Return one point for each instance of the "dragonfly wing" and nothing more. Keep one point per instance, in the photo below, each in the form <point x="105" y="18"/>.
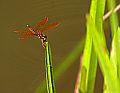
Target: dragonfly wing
<point x="51" y="26"/>
<point x="41" y="23"/>
<point x="24" y="34"/>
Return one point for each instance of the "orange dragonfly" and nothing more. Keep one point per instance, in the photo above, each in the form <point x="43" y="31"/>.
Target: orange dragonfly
<point x="29" y="32"/>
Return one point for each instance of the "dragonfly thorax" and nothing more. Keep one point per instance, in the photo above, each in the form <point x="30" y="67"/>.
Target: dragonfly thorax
<point x="39" y="35"/>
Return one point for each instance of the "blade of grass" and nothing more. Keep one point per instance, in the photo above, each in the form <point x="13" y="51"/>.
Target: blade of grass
<point x="99" y="15"/>
<point x="117" y="44"/>
<point x="69" y="60"/>
<point x="89" y="58"/>
<point x="49" y="70"/>
<point x="115" y="53"/>
<point x="114" y="25"/>
<point x="105" y="64"/>
<point x="113" y="18"/>
<point x="85" y="66"/>
<point x="64" y="65"/>
<point x="85" y="63"/>
<point x="93" y="64"/>
<point x="92" y="72"/>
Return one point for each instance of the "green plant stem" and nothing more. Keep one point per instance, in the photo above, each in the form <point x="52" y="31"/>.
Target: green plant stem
<point x="113" y="18"/>
<point x="63" y="65"/>
<point x="115" y="53"/>
<point x="89" y="63"/>
<point x="105" y="64"/>
<point x="84" y="71"/>
<point x="49" y="70"/>
<point x="117" y="45"/>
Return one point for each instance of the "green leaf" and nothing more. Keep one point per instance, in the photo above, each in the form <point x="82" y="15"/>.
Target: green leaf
<point x="115" y="53"/>
<point x="105" y="64"/>
<point x="49" y="70"/>
<point x="114" y="22"/>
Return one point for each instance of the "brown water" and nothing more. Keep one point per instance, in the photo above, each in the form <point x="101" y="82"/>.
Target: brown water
<point x="22" y="62"/>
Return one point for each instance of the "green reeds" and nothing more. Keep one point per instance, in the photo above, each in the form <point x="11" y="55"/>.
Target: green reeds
<point x="106" y="65"/>
<point x="49" y="70"/>
<point x="113" y="18"/>
<point x="63" y="65"/>
<point x="89" y="62"/>
<point x="96" y="45"/>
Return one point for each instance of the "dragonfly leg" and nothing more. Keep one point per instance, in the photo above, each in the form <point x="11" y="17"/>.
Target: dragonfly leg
<point x="44" y="40"/>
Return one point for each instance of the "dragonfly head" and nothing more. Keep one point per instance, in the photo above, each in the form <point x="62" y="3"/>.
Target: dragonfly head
<point x="39" y="35"/>
<point x="27" y="25"/>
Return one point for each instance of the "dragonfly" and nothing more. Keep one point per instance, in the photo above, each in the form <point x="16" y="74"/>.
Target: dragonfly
<point x="40" y="27"/>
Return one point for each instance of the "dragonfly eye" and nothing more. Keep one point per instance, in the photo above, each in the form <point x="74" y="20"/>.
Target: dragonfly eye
<point x="38" y="36"/>
<point x="27" y="25"/>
